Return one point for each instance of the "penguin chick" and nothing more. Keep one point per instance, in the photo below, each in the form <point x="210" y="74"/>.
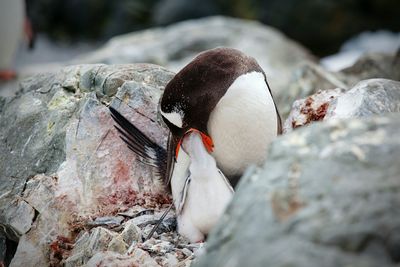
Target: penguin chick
<point x="206" y="192"/>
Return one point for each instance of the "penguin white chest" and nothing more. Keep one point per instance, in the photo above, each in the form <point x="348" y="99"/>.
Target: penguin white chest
<point x="243" y="124"/>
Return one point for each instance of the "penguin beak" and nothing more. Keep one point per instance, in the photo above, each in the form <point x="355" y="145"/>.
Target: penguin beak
<point x="207" y="141"/>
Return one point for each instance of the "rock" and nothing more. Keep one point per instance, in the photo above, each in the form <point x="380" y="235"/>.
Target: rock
<point x="310" y="109"/>
<point x="67" y="163"/>
<point x="367" y="98"/>
<point x="136" y="212"/>
<point x="308" y="79"/>
<point x="170" y="260"/>
<point x="18" y="219"/>
<point x="117" y="244"/>
<point x="160" y="247"/>
<point x="374" y="65"/>
<point x="328" y="193"/>
<point x="381" y="41"/>
<point x="131" y="233"/>
<point x="85" y="247"/>
<point x="109" y="258"/>
<point x="109" y="221"/>
<point x="277" y="55"/>
<point x="48" y="226"/>
<point x="143" y="258"/>
<point x="29" y="254"/>
<point x="167" y="225"/>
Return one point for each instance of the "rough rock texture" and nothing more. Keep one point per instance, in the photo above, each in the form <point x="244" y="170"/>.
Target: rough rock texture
<point x="61" y="160"/>
<point x="308" y="79"/>
<point x="123" y="244"/>
<point x="328" y="196"/>
<point x="374" y="65"/>
<point x="310" y="109"/>
<point x="366" y="98"/>
<point x="277" y="55"/>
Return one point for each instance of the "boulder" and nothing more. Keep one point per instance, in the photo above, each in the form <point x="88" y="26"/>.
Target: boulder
<point x="366" y="98"/>
<point x="308" y="79"/>
<point x="328" y="195"/>
<point x="62" y="162"/>
<point x="310" y="109"/>
<point x="374" y="65"/>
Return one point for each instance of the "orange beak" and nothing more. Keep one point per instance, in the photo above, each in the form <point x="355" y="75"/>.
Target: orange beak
<point x="207" y="141"/>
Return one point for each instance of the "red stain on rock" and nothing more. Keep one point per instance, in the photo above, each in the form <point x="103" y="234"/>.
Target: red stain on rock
<point x="120" y="172"/>
<point x="312" y="114"/>
<point x="122" y="198"/>
<point x="321" y="111"/>
<point x="60" y="249"/>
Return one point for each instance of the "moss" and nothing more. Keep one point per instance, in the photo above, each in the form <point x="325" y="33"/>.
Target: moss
<point x="50" y="126"/>
<point x="60" y="100"/>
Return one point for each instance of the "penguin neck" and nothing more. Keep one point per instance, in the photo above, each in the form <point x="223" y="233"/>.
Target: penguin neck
<point x="201" y="161"/>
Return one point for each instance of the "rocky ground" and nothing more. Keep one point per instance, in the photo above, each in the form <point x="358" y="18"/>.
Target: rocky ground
<point x="72" y="194"/>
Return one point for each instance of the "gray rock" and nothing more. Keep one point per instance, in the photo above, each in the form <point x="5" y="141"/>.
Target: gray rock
<point x="137" y="258"/>
<point x="143" y="258"/>
<point x="374" y="65"/>
<point x="136" y="212"/>
<point x="109" y="258"/>
<point x="89" y="244"/>
<point x="327" y="196"/>
<point x="109" y="221"/>
<point x="117" y="244"/>
<point x="33" y="247"/>
<point x="310" y="109"/>
<point x="308" y="79"/>
<point x="59" y="125"/>
<point x="131" y="233"/>
<point x="366" y="98"/>
<point x="18" y="218"/>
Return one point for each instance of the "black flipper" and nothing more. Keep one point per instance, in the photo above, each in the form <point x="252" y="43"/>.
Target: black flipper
<point x="148" y="151"/>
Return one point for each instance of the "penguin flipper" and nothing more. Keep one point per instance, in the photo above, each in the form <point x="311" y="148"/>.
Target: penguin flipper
<point x="148" y="151"/>
<point x="228" y="184"/>
<point x="183" y="195"/>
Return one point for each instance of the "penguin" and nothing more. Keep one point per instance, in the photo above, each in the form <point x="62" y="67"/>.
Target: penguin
<point x="206" y="192"/>
<point x="221" y="98"/>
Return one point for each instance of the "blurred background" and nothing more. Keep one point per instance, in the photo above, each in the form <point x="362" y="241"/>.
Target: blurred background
<point x="60" y="30"/>
<point x="320" y="25"/>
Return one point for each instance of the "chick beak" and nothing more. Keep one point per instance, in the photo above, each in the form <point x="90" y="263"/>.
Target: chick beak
<point x="207" y="141"/>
